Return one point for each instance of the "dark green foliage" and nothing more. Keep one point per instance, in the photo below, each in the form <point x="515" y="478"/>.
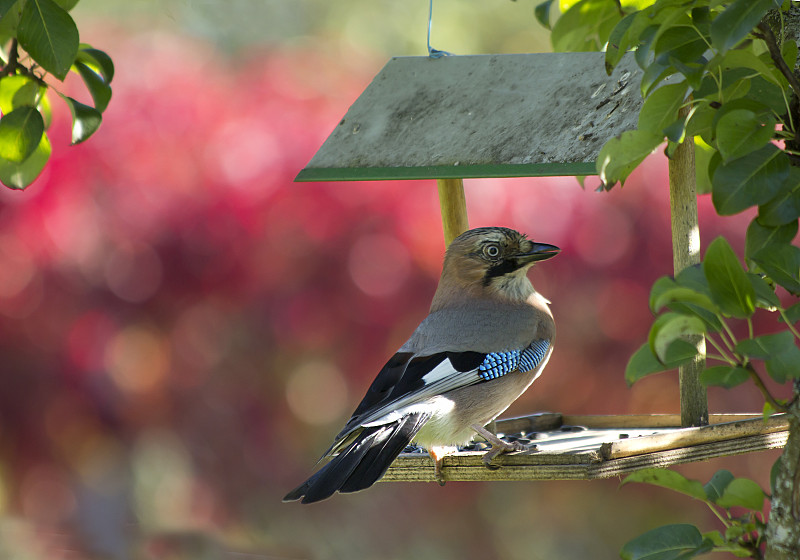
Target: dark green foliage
<point x="712" y="72"/>
<point x="47" y="33"/>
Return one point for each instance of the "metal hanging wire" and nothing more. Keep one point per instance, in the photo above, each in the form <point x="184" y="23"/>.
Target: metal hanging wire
<point x="433" y="53"/>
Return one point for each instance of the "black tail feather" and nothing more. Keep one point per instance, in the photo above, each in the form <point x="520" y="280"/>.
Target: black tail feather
<point x="363" y="462"/>
<point x="379" y="457"/>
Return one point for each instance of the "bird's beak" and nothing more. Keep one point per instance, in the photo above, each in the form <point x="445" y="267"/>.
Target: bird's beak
<point x="538" y="252"/>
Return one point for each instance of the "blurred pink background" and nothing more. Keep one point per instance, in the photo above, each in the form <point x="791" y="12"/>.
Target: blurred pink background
<point x="183" y="329"/>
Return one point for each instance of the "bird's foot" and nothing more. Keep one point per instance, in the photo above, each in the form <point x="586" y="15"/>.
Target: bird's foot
<point x="438" y="454"/>
<point x="498" y="446"/>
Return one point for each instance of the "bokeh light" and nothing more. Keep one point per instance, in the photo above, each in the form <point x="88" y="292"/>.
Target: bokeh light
<point x="183" y="329"/>
<point x="316" y="393"/>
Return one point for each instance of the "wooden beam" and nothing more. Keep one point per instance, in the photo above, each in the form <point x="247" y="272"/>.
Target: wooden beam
<point x="614" y="457"/>
<point x="454" y="208"/>
<point x="686" y="252"/>
<point x="545" y="421"/>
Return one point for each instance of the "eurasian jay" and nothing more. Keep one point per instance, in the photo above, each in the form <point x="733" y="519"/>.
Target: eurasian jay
<point x="488" y="336"/>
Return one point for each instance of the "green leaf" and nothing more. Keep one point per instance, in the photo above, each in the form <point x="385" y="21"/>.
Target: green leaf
<point x="48" y="33"/>
<point x="715" y="487"/>
<point x="737" y="21"/>
<point x="785" y="365"/>
<point x="767" y="411"/>
<point x="670" y="479"/>
<point x="9" y="19"/>
<point x="784" y="208"/>
<point x="97" y="60"/>
<point x="774" y="472"/>
<point x="67" y="4"/>
<point x="692" y="71"/>
<point x="667" y="337"/>
<point x="745" y="58"/>
<point x="722" y="545"/>
<point x="684" y="295"/>
<point x="741" y="131"/>
<point x="681" y="42"/>
<point x="20" y="175"/>
<point x="782" y="264"/>
<point x="749" y="181"/>
<point x="779" y="352"/>
<point x="18" y="91"/>
<point x="742" y="492"/>
<point x="20" y="133"/>
<point x="620" y="156"/>
<point x="730" y="288"/>
<point x="724" y="376"/>
<point x="701" y="126"/>
<point x="542" y="13"/>
<point x="701" y="19"/>
<point x="642" y="363"/>
<point x="793" y="313"/>
<point x="670" y="542"/>
<point x="85" y="120"/>
<point x="5" y="6"/>
<point x="765" y="295"/>
<point x="768" y="94"/>
<point x="653" y="75"/>
<point x="97" y="86"/>
<point x="760" y="110"/>
<point x="694" y="278"/>
<point x="789" y="52"/>
<point x="760" y="235"/>
<point x="645" y="39"/>
<point x="619" y="41"/>
<point x="765" y="346"/>
<point x="709" y="318"/>
<point x="661" y="286"/>
<point x="661" y="108"/>
<point x="585" y="26"/>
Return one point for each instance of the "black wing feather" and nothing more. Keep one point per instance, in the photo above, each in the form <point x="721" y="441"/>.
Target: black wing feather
<point x="402" y="375"/>
<point x="363" y="462"/>
<point x="379" y="457"/>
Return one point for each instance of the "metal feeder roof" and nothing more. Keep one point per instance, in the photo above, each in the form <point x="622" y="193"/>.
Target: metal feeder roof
<point x="510" y="115"/>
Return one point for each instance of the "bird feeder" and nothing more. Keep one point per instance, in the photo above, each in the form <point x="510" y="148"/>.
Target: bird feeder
<point x="532" y="115"/>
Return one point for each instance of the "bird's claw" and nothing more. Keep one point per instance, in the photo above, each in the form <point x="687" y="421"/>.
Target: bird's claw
<point x="499" y="449"/>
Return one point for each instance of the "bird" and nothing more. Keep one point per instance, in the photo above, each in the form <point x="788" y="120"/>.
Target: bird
<point x="487" y="337"/>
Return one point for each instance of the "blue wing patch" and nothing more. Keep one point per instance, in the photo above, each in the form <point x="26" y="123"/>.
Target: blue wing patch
<point x="533" y="355"/>
<point x="497" y="364"/>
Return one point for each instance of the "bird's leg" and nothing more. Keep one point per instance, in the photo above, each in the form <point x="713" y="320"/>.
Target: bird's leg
<point x="498" y="446"/>
<point x="437" y="453"/>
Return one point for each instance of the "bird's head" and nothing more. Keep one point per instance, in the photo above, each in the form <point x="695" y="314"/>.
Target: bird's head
<point x="493" y="260"/>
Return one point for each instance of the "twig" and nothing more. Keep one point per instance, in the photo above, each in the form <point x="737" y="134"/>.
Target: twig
<point x="764" y="391"/>
<point x="775" y="53"/>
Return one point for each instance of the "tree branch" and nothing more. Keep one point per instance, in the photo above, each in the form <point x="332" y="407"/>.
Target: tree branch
<point x="775" y="53"/>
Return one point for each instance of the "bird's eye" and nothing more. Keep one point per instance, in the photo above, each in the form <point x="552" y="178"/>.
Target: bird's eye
<point x="492" y="251"/>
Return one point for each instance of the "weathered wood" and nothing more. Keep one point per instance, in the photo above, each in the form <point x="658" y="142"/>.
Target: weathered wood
<point x="685" y="253"/>
<point x="544" y="421"/>
<point x="693" y="436"/>
<point x="581" y="466"/>
<point x="454" y="208"/>
<point x="591" y="456"/>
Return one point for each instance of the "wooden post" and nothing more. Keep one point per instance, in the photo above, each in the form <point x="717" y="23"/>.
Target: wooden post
<point x="454" y="208"/>
<point x="686" y="252"/>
